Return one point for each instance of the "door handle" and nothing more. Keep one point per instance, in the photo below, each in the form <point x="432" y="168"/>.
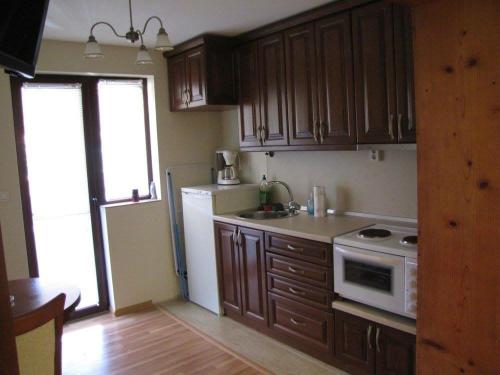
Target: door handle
<point x="297" y="292"/>
<point x="369" y="337"/>
<point x="377" y="334"/>
<point x="294" y="270"/>
<point x="321" y="132"/>
<point x="235" y="239"/>
<point x="400" y="124"/>
<point x="297" y="323"/>
<point x="297" y="249"/>
<point x="263" y="134"/>
<point x="94" y="201"/>
<point x="391" y="121"/>
<point x="239" y="237"/>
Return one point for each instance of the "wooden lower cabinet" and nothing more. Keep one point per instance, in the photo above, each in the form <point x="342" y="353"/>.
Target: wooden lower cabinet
<point x="365" y="347"/>
<point x="242" y="274"/>
<point x="300" y="325"/>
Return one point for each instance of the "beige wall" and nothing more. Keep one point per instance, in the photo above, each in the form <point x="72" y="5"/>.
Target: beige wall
<point x="183" y="138"/>
<point x="352" y="181"/>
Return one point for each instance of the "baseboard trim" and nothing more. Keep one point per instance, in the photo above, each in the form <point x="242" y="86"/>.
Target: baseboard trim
<point x="134" y="308"/>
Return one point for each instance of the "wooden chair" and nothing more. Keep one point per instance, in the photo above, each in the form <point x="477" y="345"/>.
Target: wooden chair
<point x="38" y="339"/>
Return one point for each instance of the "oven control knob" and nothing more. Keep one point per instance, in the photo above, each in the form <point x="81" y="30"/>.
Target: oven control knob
<point x="413" y="284"/>
<point x="413" y="308"/>
<point x="413" y="272"/>
<point x="413" y="296"/>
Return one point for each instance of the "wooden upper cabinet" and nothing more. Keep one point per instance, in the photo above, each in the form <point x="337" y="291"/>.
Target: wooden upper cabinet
<point x="375" y="93"/>
<point x="253" y="275"/>
<point x="177" y="82"/>
<point x="405" y="96"/>
<point x="195" y="77"/>
<point x="274" y="127"/>
<point x="248" y="94"/>
<point x="335" y="80"/>
<point x="301" y="85"/>
<point x="229" y="266"/>
<point x="201" y="74"/>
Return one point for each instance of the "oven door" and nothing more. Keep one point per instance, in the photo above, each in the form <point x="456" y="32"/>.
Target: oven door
<point x="370" y="277"/>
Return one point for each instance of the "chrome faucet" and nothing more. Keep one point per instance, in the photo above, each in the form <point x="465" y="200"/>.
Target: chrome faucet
<point x="293" y="206"/>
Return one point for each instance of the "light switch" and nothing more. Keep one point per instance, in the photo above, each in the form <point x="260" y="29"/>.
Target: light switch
<point x="4" y="196"/>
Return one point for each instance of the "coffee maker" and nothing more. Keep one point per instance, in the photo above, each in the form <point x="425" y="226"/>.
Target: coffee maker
<point x="227" y="167"/>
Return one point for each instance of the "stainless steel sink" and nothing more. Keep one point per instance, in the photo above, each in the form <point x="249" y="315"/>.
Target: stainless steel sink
<point x="265" y="215"/>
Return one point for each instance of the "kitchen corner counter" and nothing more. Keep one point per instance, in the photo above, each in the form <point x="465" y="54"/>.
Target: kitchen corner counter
<point x="322" y="229"/>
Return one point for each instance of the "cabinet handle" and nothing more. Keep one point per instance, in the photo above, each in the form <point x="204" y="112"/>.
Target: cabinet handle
<point x="297" y="292"/>
<point x="186" y="102"/>
<point x="239" y="237"/>
<point x="321" y="133"/>
<point x="315" y="131"/>
<point x="263" y="134"/>
<point x="297" y="323"/>
<point x="297" y="249"/>
<point x="391" y="121"/>
<point x="294" y="270"/>
<point x="369" y="337"/>
<point x="259" y="135"/>
<point x="235" y="240"/>
<point x="400" y="124"/>
<point x="376" y="339"/>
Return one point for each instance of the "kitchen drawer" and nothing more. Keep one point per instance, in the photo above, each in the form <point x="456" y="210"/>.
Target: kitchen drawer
<point x="307" y="327"/>
<point x="306" y="294"/>
<point x="308" y="273"/>
<point x="298" y="248"/>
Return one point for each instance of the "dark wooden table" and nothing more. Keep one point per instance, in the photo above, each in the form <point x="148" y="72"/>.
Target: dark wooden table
<point x="33" y="293"/>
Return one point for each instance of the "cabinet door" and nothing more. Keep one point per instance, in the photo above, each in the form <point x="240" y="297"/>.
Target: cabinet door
<point x="335" y="80"/>
<point x="229" y="266"/>
<point x="372" y="31"/>
<point x="246" y="59"/>
<point x="354" y="342"/>
<point x="395" y="352"/>
<point x="253" y="275"/>
<point x="177" y="84"/>
<point x="272" y="90"/>
<point x="195" y="77"/>
<point x="404" y="75"/>
<point x="303" y="123"/>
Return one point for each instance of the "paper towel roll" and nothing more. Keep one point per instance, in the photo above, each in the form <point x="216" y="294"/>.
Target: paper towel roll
<point x="319" y="201"/>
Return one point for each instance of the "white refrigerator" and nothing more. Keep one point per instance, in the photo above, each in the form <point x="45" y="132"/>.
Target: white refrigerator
<point x="199" y="204"/>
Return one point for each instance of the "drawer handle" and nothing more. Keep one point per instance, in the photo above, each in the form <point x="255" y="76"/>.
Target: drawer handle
<point x="294" y="270"/>
<point x="297" y="323"/>
<point x="297" y="249"/>
<point x="298" y="292"/>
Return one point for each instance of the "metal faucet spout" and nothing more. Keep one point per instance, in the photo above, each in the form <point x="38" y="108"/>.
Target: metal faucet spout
<point x="292" y="205"/>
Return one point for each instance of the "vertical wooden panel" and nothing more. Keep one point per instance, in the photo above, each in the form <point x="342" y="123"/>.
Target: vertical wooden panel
<point x="457" y="75"/>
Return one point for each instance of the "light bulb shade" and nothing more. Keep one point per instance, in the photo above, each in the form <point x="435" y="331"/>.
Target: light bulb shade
<point x="143" y="56"/>
<point x="163" y="42"/>
<point x="92" y="49"/>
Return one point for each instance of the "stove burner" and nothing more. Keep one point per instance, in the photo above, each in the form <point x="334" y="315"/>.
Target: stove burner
<point x="409" y="240"/>
<point x="374" y="233"/>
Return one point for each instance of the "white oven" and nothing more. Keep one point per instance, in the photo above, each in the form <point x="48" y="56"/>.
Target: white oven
<point x="376" y="278"/>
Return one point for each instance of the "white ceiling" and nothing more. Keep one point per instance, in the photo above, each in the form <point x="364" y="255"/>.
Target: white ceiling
<point x="71" y="20"/>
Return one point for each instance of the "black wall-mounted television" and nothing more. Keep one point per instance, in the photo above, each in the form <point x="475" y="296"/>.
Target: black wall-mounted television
<point x="21" y="30"/>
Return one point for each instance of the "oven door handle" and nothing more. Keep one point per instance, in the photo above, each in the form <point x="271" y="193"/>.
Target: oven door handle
<point x="390" y="260"/>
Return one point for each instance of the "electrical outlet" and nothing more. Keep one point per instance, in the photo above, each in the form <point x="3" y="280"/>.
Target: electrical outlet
<point x="375" y="155"/>
<point x="4" y="196"/>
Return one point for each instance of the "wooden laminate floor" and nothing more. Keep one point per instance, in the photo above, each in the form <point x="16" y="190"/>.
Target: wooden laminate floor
<point x="151" y="342"/>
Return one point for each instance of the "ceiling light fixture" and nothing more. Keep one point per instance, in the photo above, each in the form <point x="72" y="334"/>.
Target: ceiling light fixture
<point x="93" y="50"/>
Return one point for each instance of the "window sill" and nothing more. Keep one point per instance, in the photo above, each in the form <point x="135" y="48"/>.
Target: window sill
<point x="144" y="201"/>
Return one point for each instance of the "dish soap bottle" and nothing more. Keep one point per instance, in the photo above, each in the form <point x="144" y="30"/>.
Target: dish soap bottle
<point x="310" y="205"/>
<point x="264" y="191"/>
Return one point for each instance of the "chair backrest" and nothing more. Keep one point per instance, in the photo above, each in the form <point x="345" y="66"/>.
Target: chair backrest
<point x="38" y="338"/>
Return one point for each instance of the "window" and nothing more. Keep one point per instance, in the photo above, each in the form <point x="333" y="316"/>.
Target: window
<point x="124" y="137"/>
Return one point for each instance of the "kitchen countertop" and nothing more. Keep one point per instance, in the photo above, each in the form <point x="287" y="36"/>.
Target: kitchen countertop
<point x="322" y="229"/>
